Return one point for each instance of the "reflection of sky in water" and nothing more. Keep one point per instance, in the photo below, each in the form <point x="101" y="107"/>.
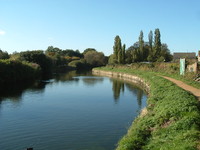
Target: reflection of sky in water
<point x="72" y="112"/>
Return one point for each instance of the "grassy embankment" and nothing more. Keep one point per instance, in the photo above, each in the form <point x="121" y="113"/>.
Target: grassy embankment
<point x="172" y="120"/>
<point x="166" y="69"/>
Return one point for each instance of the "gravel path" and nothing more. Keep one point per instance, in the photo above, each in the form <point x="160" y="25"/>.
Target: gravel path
<point x="191" y="89"/>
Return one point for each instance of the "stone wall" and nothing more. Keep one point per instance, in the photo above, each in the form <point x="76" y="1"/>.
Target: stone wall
<point x="192" y="68"/>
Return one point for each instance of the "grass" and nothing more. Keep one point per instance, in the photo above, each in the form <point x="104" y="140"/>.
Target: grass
<point x="172" y="120"/>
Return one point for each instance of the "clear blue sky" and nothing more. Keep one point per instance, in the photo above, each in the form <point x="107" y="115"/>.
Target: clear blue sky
<point x="81" y="24"/>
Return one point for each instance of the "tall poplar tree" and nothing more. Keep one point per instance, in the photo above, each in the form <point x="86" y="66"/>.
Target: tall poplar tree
<point x="123" y="53"/>
<point x="141" y="46"/>
<point x="150" y="36"/>
<point x="151" y="52"/>
<point x="120" y="56"/>
<point x="157" y="43"/>
<point x="117" y="48"/>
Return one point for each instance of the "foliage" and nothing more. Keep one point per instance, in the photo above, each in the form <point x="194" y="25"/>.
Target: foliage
<point x="111" y="59"/>
<point x="157" y="45"/>
<point x="165" y="53"/>
<point x="123" y="53"/>
<point x="79" y="64"/>
<point x="172" y="121"/>
<point x="60" y="58"/>
<point x="3" y="55"/>
<point x="150" y="36"/>
<point x="15" y="71"/>
<point x="72" y="53"/>
<point x="117" y="48"/>
<point x="152" y="51"/>
<point x="38" y="57"/>
<point x="118" y="51"/>
<point x="95" y="59"/>
<point x="130" y="55"/>
<point x="141" y="47"/>
<point x="88" y="50"/>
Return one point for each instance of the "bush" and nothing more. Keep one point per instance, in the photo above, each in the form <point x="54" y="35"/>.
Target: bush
<point x="15" y="71"/>
<point x="79" y="64"/>
<point x="40" y="58"/>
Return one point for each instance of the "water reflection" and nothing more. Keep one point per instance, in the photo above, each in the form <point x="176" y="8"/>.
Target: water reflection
<point x="14" y="93"/>
<point x="91" y="81"/>
<point x="136" y="91"/>
<point x="119" y="86"/>
<point x="69" y="76"/>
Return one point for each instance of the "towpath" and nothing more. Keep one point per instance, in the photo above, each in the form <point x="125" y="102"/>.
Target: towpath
<point x="191" y="89"/>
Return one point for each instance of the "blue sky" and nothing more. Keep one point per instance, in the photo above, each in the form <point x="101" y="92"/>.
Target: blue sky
<point x="81" y="24"/>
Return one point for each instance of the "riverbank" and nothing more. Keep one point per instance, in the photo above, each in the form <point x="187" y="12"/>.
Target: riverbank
<point x="171" y="120"/>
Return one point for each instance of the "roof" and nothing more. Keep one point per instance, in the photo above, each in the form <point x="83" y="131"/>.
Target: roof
<point x="185" y="55"/>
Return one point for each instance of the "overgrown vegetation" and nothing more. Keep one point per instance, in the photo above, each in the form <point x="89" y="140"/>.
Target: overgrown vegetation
<point x="172" y="120"/>
<point x="16" y="71"/>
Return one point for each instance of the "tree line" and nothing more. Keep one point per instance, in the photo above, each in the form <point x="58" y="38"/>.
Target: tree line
<point x="29" y="65"/>
<point x="141" y="51"/>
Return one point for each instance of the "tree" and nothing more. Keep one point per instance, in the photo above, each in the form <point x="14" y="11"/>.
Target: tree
<point x="51" y="51"/>
<point x="88" y="50"/>
<point x="123" y="53"/>
<point x="141" y="46"/>
<point x="150" y="36"/>
<point x="129" y="54"/>
<point x="120" y="56"/>
<point x="117" y="48"/>
<point x="151" y="53"/>
<point x="157" y="44"/>
<point x="3" y="55"/>
<point x="72" y="53"/>
<point x="111" y="59"/>
<point x="165" y="53"/>
<point x="40" y="58"/>
<point x="95" y="59"/>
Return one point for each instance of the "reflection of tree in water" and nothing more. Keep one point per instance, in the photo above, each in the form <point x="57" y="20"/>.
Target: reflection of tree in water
<point x="69" y="76"/>
<point x="118" y="87"/>
<point x="65" y="76"/>
<point x="14" y="92"/>
<point x="137" y="92"/>
<point x="139" y="98"/>
<point x="91" y="81"/>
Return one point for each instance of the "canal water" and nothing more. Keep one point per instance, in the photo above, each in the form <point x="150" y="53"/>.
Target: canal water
<point x="73" y="111"/>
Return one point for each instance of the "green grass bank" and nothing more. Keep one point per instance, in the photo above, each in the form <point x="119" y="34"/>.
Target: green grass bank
<point x="171" y="120"/>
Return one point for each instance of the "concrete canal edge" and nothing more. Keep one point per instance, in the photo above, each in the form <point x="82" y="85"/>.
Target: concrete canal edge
<point x="127" y="77"/>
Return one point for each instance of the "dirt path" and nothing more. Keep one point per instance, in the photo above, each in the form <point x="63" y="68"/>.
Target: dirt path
<point x="194" y="91"/>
